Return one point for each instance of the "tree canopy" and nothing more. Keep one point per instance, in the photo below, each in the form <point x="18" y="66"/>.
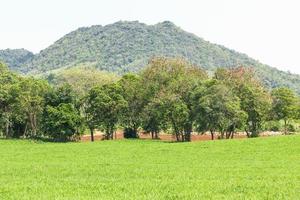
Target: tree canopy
<point x="170" y="96"/>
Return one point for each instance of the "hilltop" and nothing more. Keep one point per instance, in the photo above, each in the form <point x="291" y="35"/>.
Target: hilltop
<point x="16" y="59"/>
<point x="127" y="46"/>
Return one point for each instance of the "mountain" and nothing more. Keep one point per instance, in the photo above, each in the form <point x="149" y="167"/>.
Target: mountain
<point x="16" y="58"/>
<point x="127" y="46"/>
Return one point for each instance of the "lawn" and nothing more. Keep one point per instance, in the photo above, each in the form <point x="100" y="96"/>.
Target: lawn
<point x="261" y="168"/>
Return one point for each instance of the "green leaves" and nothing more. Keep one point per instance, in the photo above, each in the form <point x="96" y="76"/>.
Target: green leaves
<point x="62" y="122"/>
<point x="103" y="107"/>
<point x="61" y="118"/>
<point x="285" y="105"/>
<point x="218" y="108"/>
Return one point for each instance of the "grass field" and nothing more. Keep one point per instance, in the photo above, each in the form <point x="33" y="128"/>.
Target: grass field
<point x="262" y="168"/>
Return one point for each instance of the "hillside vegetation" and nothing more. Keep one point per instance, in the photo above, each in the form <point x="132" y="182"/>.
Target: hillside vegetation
<point x="81" y="78"/>
<point x="127" y="47"/>
<point x="15" y="59"/>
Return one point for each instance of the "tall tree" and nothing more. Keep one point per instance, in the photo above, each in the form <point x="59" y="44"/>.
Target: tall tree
<point x="104" y="106"/>
<point x="134" y="94"/>
<point x="154" y="117"/>
<point x="218" y="109"/>
<point x="256" y="102"/>
<point x="285" y="104"/>
<point x="31" y="101"/>
<point x="255" y="99"/>
<point x="178" y="115"/>
<point x="174" y="80"/>
<point x="9" y="92"/>
<point x="61" y="114"/>
<point x="62" y="122"/>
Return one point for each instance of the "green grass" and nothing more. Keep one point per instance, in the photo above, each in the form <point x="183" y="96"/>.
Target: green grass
<point x="262" y="168"/>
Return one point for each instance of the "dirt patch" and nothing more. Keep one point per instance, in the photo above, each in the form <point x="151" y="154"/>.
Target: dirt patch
<point x="169" y="137"/>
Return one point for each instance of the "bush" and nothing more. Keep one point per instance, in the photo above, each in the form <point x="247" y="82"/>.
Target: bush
<point x="62" y="123"/>
<point x="291" y="128"/>
<point x="272" y="126"/>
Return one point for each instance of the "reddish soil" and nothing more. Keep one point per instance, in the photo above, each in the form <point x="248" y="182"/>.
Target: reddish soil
<point x="163" y="137"/>
<point x="99" y="136"/>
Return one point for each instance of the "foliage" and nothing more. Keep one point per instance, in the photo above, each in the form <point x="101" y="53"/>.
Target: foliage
<point x="9" y="90"/>
<point x="31" y="103"/>
<point x="170" y="95"/>
<point x="171" y="82"/>
<point x="134" y="94"/>
<point x="154" y="117"/>
<point x="255" y="99"/>
<point x="218" y="109"/>
<point x="104" y="106"/>
<point x="16" y="59"/>
<point x="62" y="122"/>
<point x="285" y="104"/>
<point x="61" y="115"/>
<point x="81" y="78"/>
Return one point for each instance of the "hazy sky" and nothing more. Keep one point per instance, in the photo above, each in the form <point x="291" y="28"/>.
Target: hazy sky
<point x="267" y="30"/>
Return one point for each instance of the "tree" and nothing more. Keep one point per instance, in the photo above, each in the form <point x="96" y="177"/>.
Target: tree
<point x="284" y="105"/>
<point x="62" y="122"/>
<point x="104" y="106"/>
<point x="154" y="117"/>
<point x="174" y="80"/>
<point x="177" y="114"/>
<point x="62" y="94"/>
<point x="133" y="93"/>
<point x="9" y="92"/>
<point x="82" y="78"/>
<point x="61" y="118"/>
<point x="3" y="68"/>
<point x="31" y="102"/>
<point x="255" y="99"/>
<point x="256" y="102"/>
<point x="218" y="109"/>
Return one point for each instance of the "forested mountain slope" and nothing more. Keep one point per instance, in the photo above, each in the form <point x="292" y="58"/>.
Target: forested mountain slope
<point x="16" y="59"/>
<point x="127" y="46"/>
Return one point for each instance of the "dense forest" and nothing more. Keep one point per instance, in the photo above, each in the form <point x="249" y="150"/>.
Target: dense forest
<point x="125" y="47"/>
<point x="169" y="95"/>
<point x="16" y="59"/>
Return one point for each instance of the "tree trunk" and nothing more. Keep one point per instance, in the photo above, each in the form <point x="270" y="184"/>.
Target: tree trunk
<point x="187" y="136"/>
<point x="285" y="127"/>
<point x="177" y="137"/>
<point x="7" y="128"/>
<point x="248" y="134"/>
<point x="232" y="132"/>
<point x="222" y="134"/>
<point x="152" y="136"/>
<point x="92" y="134"/>
<point x="212" y="135"/>
<point x="112" y="133"/>
<point x="182" y="137"/>
<point x="156" y="134"/>
<point x="32" y="123"/>
<point x="25" y="130"/>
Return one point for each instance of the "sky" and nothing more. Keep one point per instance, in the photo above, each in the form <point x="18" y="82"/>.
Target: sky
<point x="267" y="30"/>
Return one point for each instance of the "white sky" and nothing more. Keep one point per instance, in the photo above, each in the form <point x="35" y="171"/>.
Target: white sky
<point x="267" y="30"/>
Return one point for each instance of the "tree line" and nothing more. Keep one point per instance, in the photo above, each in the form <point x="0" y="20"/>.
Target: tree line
<point x="170" y="95"/>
